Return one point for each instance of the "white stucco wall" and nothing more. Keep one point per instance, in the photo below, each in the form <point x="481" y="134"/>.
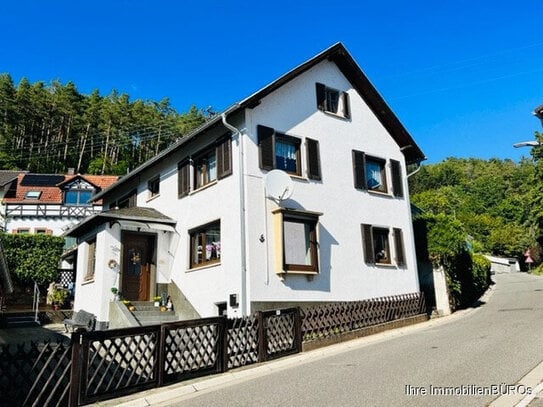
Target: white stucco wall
<point x="94" y="295"/>
<point x="343" y="274"/>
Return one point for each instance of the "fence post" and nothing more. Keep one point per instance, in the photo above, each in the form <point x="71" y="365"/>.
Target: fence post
<point x="161" y="350"/>
<point x="298" y="330"/>
<point x="75" y="377"/>
<point x="223" y="344"/>
<point x="262" y="337"/>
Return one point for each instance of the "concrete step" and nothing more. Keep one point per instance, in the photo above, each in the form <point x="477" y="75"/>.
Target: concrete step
<point x="20" y="321"/>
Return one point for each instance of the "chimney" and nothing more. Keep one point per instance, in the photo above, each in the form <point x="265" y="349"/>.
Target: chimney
<point x="71" y="171"/>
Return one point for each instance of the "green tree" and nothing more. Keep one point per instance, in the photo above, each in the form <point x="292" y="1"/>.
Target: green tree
<point x="33" y="257"/>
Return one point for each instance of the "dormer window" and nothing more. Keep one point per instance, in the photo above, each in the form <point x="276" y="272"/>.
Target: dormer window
<point x="33" y="195"/>
<point x="78" y="193"/>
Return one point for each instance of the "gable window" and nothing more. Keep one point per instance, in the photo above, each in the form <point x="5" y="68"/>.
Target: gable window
<point x="298" y="239"/>
<point x="283" y="152"/>
<point x="78" y="194"/>
<point x="376" y="244"/>
<point x="333" y="101"/>
<point x="206" y="166"/>
<point x="153" y="186"/>
<point x="205" y="245"/>
<point x="91" y="260"/>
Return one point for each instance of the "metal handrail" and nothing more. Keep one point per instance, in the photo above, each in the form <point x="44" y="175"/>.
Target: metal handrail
<point x="36" y="302"/>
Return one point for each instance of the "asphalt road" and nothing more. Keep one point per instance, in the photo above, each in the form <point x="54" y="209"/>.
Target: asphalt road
<point x="484" y="350"/>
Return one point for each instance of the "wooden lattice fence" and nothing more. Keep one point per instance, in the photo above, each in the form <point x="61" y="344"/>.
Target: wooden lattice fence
<point x="35" y="374"/>
<point x="325" y="320"/>
<point x="107" y="364"/>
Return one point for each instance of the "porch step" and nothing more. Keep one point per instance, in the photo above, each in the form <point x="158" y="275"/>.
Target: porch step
<point x="147" y="314"/>
<point x="20" y="320"/>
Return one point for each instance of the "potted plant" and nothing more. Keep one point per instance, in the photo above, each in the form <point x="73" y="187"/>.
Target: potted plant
<point x="58" y="297"/>
<point x="156" y="300"/>
<point x="116" y="293"/>
<point x="129" y="305"/>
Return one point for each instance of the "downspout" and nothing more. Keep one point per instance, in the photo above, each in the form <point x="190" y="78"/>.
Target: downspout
<point x="242" y="214"/>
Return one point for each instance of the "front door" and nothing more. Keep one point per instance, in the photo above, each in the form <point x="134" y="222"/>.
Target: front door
<point x="138" y="251"/>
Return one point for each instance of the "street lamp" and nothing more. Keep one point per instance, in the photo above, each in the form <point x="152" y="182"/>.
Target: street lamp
<point x="531" y="143"/>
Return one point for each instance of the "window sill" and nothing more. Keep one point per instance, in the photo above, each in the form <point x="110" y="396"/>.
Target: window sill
<point x="203" y="267"/>
<point x="152" y="198"/>
<point x="208" y="185"/>
<point x="379" y="193"/>
<point x="87" y="282"/>
<point x="336" y="115"/>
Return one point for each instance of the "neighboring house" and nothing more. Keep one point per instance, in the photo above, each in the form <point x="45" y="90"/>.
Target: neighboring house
<point x="8" y="180"/>
<point x="46" y="203"/>
<point x="503" y="264"/>
<point x="198" y="222"/>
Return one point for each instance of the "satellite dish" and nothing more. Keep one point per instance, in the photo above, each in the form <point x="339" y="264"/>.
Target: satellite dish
<point x="278" y="185"/>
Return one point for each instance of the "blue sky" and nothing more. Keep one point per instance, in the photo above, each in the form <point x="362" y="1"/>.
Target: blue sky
<point x="462" y="76"/>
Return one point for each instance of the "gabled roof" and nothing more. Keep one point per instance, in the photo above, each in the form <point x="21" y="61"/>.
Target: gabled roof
<point x="49" y="186"/>
<point x="341" y="57"/>
<point x="7" y="177"/>
<point x="145" y="216"/>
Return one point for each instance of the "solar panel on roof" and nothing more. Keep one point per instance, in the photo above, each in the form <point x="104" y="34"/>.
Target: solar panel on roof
<point x="42" y="180"/>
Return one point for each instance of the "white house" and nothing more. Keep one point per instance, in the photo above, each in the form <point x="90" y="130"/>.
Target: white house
<point x="210" y="221"/>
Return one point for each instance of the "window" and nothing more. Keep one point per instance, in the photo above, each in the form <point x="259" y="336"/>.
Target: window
<point x="376" y="244"/>
<point x="205" y="169"/>
<point x="153" y="187"/>
<point x="333" y="101"/>
<point x="281" y="151"/>
<point x="43" y="231"/>
<point x="21" y="230"/>
<point x="376" y="179"/>
<point x="298" y="239"/>
<point x="91" y="260"/>
<point x="207" y="166"/>
<point x="78" y="193"/>
<point x="33" y="195"/>
<point x="205" y="245"/>
<point x="287" y="154"/>
<point x="370" y="174"/>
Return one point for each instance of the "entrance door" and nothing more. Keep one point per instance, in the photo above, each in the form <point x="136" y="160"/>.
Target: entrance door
<point x="138" y="251"/>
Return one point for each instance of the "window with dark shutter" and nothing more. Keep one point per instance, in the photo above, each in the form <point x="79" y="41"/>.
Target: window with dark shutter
<point x="398" y="246"/>
<point x="397" y="184"/>
<point x="224" y="158"/>
<point x="266" y="144"/>
<point x="313" y="159"/>
<point x="346" y="106"/>
<point x="359" y="169"/>
<point x="321" y="96"/>
<point x="183" y="178"/>
<point x="367" y="242"/>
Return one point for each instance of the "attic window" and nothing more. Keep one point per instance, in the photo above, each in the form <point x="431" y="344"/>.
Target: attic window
<point x="333" y="101"/>
<point x="33" y="195"/>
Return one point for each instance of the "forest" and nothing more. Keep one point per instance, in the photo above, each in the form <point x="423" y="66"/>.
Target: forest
<point x="48" y="128"/>
<point x="496" y="202"/>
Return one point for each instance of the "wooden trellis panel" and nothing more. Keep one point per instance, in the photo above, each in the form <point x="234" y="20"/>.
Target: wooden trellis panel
<point x="242" y="338"/>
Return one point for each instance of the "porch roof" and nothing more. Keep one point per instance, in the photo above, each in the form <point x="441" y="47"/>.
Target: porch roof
<point x="135" y="216"/>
